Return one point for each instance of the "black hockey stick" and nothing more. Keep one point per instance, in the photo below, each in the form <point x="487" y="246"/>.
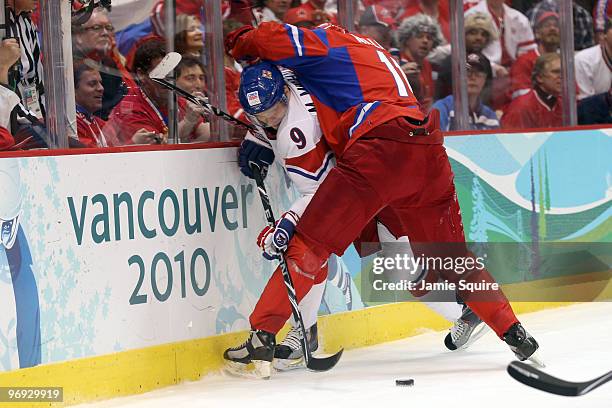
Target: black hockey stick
<point x="533" y="377"/>
<point x="216" y="111"/>
<point x="166" y="65"/>
<point x="313" y="363"/>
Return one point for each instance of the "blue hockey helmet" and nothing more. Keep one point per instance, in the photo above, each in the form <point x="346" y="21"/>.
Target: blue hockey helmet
<point x="261" y="87"/>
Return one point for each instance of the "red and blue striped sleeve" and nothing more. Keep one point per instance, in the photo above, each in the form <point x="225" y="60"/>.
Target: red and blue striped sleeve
<point x="284" y="44"/>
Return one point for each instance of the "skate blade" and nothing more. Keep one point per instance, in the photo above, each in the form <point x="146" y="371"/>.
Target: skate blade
<point x="285" y="364"/>
<point x="476" y="334"/>
<point x="257" y="370"/>
<point x="537" y="360"/>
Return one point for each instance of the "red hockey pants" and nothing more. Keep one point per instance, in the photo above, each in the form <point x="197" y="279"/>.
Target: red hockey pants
<point x="410" y="186"/>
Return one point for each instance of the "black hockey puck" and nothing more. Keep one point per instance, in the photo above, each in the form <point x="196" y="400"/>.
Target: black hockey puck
<point x="404" y="383"/>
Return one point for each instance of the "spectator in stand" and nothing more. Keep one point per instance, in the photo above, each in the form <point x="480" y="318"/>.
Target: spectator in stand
<point x="146" y="107"/>
<point x="158" y="19"/>
<point x="271" y="10"/>
<point x="515" y="38"/>
<point x="416" y="37"/>
<point x="521" y="5"/>
<point x="437" y="10"/>
<point x="190" y="75"/>
<point x="230" y="9"/>
<point x="479" y="33"/>
<point x="601" y="13"/>
<point x="596" y="109"/>
<point x="541" y="107"/>
<point x="189" y="38"/>
<point x="239" y="10"/>
<point x="548" y="39"/>
<point x="29" y="81"/>
<point x="236" y="9"/>
<point x="318" y="7"/>
<point x="10" y="53"/>
<point x="88" y="93"/>
<point x="514" y="33"/>
<point x="481" y="117"/>
<point x="583" y="23"/>
<point x="594" y="66"/>
<point x="305" y="18"/>
<point x="232" y="83"/>
<point x="95" y="40"/>
<point x="395" y="7"/>
<point x="376" y="22"/>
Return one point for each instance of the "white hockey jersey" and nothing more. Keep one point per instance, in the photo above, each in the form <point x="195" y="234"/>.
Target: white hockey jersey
<point x="299" y="145"/>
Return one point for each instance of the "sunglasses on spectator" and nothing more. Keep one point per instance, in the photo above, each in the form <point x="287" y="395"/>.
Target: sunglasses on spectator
<point x="99" y="27"/>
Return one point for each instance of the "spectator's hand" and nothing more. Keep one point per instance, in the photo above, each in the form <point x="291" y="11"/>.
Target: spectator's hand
<point x="9" y="52"/>
<point x="194" y="111"/>
<point x="499" y="71"/>
<point x="411" y="68"/>
<point x="144" y="136"/>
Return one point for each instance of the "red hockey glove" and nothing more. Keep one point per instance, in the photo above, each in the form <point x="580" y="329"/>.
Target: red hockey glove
<point x="232" y="38"/>
<point x="274" y="240"/>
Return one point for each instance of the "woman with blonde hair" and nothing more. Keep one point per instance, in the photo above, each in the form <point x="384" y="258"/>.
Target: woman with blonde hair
<point x="189" y="38"/>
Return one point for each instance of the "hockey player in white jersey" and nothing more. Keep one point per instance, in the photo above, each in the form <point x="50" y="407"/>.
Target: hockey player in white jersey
<point x="283" y="109"/>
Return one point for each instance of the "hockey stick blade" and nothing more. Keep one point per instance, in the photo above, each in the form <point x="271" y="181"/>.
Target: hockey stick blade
<point x="533" y="377"/>
<point x="166" y="65"/>
<point x="324" y="363"/>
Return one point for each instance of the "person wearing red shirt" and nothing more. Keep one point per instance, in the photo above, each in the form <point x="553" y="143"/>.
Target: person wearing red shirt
<point x="395" y="7"/>
<point x="88" y="93"/>
<point x="390" y="162"/>
<point x="305" y="17"/>
<point x="437" y="10"/>
<point x="95" y="40"/>
<point x="270" y="10"/>
<point x="190" y="75"/>
<point x="317" y="7"/>
<point x="232" y="83"/>
<point x="547" y="35"/>
<point x="146" y="107"/>
<point x="417" y="36"/>
<point x="542" y="106"/>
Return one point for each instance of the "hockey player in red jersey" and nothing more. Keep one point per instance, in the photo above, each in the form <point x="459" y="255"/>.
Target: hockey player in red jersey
<point x="284" y="110"/>
<point x="390" y="160"/>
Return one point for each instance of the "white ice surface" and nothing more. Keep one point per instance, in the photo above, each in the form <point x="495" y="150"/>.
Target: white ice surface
<point x="575" y="342"/>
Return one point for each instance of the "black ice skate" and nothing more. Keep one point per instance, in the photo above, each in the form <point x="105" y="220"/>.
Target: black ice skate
<point x="253" y="358"/>
<point x="522" y="344"/>
<point x="466" y="330"/>
<point x="288" y="354"/>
